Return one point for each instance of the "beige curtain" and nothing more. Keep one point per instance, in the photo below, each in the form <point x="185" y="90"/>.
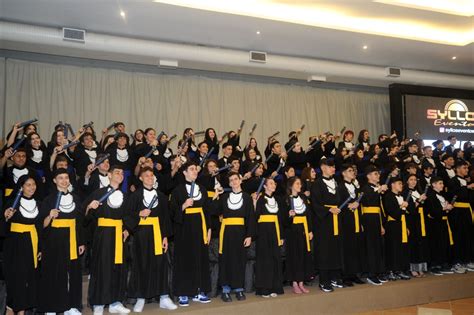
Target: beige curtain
<point x="171" y="103"/>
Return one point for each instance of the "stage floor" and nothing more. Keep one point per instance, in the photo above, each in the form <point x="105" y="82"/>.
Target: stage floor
<point x="357" y="299"/>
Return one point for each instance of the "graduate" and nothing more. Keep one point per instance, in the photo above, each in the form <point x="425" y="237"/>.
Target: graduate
<point x="272" y="220"/>
<point x="97" y="176"/>
<point x="121" y="154"/>
<point x="461" y="218"/>
<point x="37" y="155"/>
<point x="325" y="201"/>
<point x="372" y="222"/>
<point x="352" y="238"/>
<point x="236" y="233"/>
<point x="210" y="137"/>
<point x="150" y="225"/>
<point x="85" y="153"/>
<point x="62" y="244"/>
<point x="299" y="255"/>
<point x="416" y="224"/>
<point x="21" y="247"/>
<point x="108" y="270"/>
<point x="190" y="209"/>
<point x="439" y="232"/>
<point x="396" y="231"/>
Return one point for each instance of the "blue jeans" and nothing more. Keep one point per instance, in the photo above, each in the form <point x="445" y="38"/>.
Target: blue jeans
<point x="228" y="289"/>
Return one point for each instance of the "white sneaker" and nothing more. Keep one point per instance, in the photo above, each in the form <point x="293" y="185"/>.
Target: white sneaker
<point x="118" y="309"/>
<point x="138" y="307"/>
<point x="72" y="311"/>
<point x="469" y="267"/>
<point x="98" y="309"/>
<point x="458" y="268"/>
<point x="167" y="303"/>
<point x="49" y="313"/>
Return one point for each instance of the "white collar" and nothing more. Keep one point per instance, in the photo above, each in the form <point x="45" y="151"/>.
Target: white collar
<point x="235" y="200"/>
<point x="28" y="208"/>
<point x="196" y="193"/>
<point x="115" y="200"/>
<point x="66" y="203"/>
<point x="271" y="204"/>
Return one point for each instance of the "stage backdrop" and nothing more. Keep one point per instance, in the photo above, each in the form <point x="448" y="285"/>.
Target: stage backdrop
<point x="171" y="103"/>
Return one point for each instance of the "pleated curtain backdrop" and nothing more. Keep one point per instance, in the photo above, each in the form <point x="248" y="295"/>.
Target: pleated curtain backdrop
<point x="77" y="95"/>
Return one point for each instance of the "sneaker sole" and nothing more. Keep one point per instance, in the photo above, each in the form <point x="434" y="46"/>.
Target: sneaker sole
<point x="373" y="283"/>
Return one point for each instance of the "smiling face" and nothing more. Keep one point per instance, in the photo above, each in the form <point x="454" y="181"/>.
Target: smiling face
<point x="191" y="173"/>
<point x="270" y="186"/>
<point x="62" y="181"/>
<point x="150" y="135"/>
<point x="148" y="179"/>
<point x="116" y="176"/>
<point x="411" y="182"/>
<point x="88" y="141"/>
<point x="29" y="188"/>
<point x="35" y="141"/>
<point x="19" y="159"/>
<point x="296" y="187"/>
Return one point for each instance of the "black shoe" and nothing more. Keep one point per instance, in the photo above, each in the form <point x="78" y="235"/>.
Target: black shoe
<point x="240" y="296"/>
<point x="226" y="297"/>
<point x="436" y="271"/>
<point x="392" y="276"/>
<point x="382" y="278"/>
<point x="348" y="283"/>
<point x="337" y="284"/>
<point x="374" y="281"/>
<point x="403" y="276"/>
<point x="326" y="287"/>
<point x="357" y="280"/>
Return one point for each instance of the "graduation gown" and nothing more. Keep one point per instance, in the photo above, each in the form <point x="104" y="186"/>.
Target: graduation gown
<point x="352" y="239"/>
<point x="149" y="266"/>
<point x="238" y="223"/>
<point x="461" y="219"/>
<point x="299" y="265"/>
<point x="21" y="274"/>
<point x="439" y="234"/>
<point x="108" y="266"/>
<point x="191" y="257"/>
<point x="61" y="273"/>
<point x="268" y="267"/>
<point x="372" y="223"/>
<point x="396" y="233"/>
<point x="417" y="225"/>
<point x="328" y="238"/>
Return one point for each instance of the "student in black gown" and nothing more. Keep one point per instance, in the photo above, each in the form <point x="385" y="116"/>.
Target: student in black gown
<point x="236" y="233"/>
<point x="62" y="244"/>
<point x="21" y="247"/>
<point x="210" y="137"/>
<point x="325" y="201"/>
<point x="352" y="233"/>
<point x="150" y="226"/>
<point x="272" y="220"/>
<point x="299" y="265"/>
<point x="372" y="222"/>
<point x="397" y="252"/>
<point x="190" y="209"/>
<point x="108" y="270"/>
<point x="439" y="232"/>
<point x="121" y="154"/>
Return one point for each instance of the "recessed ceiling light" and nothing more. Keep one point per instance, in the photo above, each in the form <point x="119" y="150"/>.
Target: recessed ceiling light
<point x="365" y="47"/>
<point x="258" y="32"/>
<point x="454" y="58"/>
<point x="122" y="14"/>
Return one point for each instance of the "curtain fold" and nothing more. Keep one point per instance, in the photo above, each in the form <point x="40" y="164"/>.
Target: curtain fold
<point x="171" y="103"/>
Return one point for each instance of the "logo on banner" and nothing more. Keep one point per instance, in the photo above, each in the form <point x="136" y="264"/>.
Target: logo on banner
<point x="455" y="114"/>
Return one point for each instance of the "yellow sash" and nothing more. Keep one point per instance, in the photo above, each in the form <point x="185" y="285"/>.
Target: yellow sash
<point x="28" y="228"/>
<point x="71" y="225"/>
<point x="335" y="222"/>
<point x="117" y="224"/>
<point x="356" y="220"/>
<point x="451" y="241"/>
<point x="8" y="192"/>
<point x="464" y="205"/>
<point x="203" y="220"/>
<point x="372" y="210"/>
<point x="272" y="218"/>
<point x="155" y="223"/>
<point x="404" y="227"/>
<point x="422" y="221"/>
<point x="228" y="221"/>
<point x="303" y="220"/>
<point x="211" y="194"/>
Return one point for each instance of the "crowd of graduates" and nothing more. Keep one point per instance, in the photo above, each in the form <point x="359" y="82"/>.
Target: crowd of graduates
<point x="148" y="216"/>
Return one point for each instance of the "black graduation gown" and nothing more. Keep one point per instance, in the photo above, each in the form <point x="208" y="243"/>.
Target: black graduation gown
<point x="297" y="161"/>
<point x="352" y="238"/>
<point x="250" y="185"/>
<point x="396" y="246"/>
<point x="299" y="265"/>
<point x="268" y="266"/>
<point x="418" y="238"/>
<point x="328" y="239"/>
<point x="438" y="230"/>
<point x="108" y="280"/>
<point x="149" y="270"/>
<point x="191" y="256"/>
<point x="60" y="276"/>
<point x="82" y="159"/>
<point x="21" y="276"/>
<point x="10" y="180"/>
<point x="372" y="224"/>
<point x="233" y="256"/>
<point x="461" y="220"/>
